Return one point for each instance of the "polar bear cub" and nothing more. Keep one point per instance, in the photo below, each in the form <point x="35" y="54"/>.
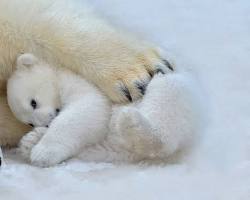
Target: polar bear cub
<point x="72" y="117"/>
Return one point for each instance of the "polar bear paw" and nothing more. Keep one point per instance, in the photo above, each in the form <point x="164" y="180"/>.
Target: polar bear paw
<point x="128" y="82"/>
<point x="30" y="140"/>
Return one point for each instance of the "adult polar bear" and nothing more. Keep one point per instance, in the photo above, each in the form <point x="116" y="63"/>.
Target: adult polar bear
<point x="65" y="36"/>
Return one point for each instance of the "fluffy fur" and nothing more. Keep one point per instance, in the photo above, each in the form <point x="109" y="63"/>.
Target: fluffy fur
<point x="156" y="127"/>
<point x="71" y="37"/>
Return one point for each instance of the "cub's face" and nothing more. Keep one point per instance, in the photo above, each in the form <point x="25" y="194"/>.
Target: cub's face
<point x="32" y="91"/>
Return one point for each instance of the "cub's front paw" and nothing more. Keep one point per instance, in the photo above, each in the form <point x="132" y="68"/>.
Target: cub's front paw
<point x="47" y="155"/>
<point x="29" y="140"/>
<point x="128" y="81"/>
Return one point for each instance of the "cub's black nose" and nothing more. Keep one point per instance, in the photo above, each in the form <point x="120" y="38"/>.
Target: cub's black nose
<point x="57" y="111"/>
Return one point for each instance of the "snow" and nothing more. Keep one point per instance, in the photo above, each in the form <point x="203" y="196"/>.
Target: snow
<point x="212" y="38"/>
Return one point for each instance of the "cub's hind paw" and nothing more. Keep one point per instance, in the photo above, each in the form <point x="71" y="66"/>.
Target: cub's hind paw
<point x="136" y="133"/>
<point x="130" y="121"/>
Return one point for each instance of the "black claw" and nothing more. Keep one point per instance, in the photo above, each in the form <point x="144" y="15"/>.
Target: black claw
<point x="159" y="71"/>
<point x="151" y="73"/>
<point x="0" y="161"/>
<point x="168" y="65"/>
<point x="141" y="86"/>
<point x="126" y="93"/>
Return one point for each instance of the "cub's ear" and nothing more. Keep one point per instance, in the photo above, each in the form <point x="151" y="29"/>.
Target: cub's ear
<point x="26" y="60"/>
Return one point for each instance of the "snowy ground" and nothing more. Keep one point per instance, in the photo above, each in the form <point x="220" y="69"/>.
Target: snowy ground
<point x="212" y="37"/>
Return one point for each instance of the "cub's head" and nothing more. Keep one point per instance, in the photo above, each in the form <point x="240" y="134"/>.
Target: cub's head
<point x="32" y="91"/>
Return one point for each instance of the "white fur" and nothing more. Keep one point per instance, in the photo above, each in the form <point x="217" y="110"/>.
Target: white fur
<point x="161" y="124"/>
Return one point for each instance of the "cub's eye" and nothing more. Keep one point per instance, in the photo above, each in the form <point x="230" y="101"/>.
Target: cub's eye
<point x="33" y="103"/>
<point x="31" y="125"/>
